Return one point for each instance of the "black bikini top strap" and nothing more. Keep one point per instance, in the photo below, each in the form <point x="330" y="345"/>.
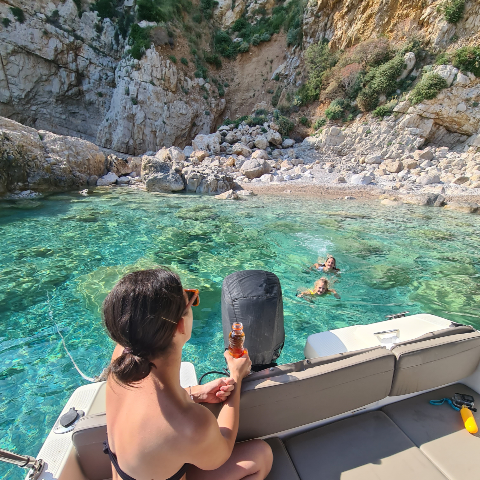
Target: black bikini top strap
<point x="113" y="459"/>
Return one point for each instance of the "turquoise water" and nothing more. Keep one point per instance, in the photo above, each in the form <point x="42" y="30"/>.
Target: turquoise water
<point x="74" y="248"/>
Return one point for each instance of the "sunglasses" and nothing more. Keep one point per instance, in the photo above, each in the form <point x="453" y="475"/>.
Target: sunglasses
<point x="193" y="295"/>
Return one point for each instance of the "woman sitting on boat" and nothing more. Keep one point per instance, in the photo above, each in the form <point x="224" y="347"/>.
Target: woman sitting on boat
<point x="156" y="429"/>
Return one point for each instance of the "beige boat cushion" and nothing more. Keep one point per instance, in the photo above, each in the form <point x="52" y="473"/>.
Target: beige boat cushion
<point x="364" y="447"/>
<point x="436" y="362"/>
<point x="445" y="332"/>
<point x="286" y="401"/>
<point x="282" y="468"/>
<point x="87" y="438"/>
<point x="439" y="431"/>
<point x="303" y="365"/>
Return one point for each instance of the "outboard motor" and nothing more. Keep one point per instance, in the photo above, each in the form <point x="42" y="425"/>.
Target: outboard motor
<point x="254" y="298"/>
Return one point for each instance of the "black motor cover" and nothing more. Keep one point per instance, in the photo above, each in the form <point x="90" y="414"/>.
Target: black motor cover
<point x="254" y="298"/>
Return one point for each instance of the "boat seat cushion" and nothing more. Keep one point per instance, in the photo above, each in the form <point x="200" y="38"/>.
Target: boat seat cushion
<point x="272" y="405"/>
<point x="282" y="468"/>
<point x="435" y="362"/>
<point x="364" y="447"/>
<point x="87" y="438"/>
<point x="439" y="431"/>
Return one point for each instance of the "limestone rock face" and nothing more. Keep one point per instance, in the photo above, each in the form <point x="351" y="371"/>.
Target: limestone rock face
<point x="43" y="160"/>
<point x="345" y="23"/>
<point x="149" y="110"/>
<point x="56" y="72"/>
<point x="453" y="109"/>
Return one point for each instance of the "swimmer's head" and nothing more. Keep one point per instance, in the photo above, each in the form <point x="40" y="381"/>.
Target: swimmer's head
<point x="320" y="287"/>
<point x="331" y="263"/>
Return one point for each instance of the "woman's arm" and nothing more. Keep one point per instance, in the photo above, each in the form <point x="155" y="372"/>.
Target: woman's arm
<point x="217" y="440"/>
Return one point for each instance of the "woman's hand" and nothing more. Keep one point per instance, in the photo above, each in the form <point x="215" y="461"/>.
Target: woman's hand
<point x="239" y="367"/>
<point x="216" y="391"/>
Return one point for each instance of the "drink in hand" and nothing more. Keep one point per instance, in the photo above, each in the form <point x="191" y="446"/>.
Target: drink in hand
<point x="236" y="340"/>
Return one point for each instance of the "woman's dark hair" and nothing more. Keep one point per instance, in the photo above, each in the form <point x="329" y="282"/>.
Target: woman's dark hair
<point x="141" y="314"/>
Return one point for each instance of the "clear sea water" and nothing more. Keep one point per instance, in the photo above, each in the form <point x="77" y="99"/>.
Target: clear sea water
<point x="72" y="249"/>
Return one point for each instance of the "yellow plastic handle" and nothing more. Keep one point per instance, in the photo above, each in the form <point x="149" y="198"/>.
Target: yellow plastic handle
<point x="468" y="420"/>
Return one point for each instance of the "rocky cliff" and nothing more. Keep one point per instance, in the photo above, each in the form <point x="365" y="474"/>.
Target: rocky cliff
<point x="66" y="69"/>
<point x="347" y="22"/>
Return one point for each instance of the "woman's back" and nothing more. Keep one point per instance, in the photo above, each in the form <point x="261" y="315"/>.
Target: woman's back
<point x="155" y="428"/>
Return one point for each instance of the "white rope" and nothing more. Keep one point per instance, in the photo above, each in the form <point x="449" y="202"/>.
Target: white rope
<point x="88" y="379"/>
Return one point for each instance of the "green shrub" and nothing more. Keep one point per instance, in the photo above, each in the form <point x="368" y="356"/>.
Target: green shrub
<point x="336" y="109"/>
<point x="184" y="61"/>
<point x="78" y="4"/>
<point x="213" y="59"/>
<point x="173" y="58"/>
<point x="452" y="10"/>
<point x="207" y="112"/>
<point x="305" y="121"/>
<point x="443" y="59"/>
<point x="382" y="111"/>
<point x="221" y="90"/>
<point x="161" y="11"/>
<point x="139" y="40"/>
<point x="276" y="96"/>
<point x="295" y="36"/>
<point x="285" y="109"/>
<point x="224" y="45"/>
<point x="104" y="8"/>
<point x="18" y="14"/>
<point x="265" y="37"/>
<point x="244" y="47"/>
<point x="134" y="100"/>
<point x="467" y="59"/>
<point x="367" y="100"/>
<point x="385" y="76"/>
<point x="319" y="123"/>
<point x="261" y="111"/>
<point x="318" y="59"/>
<point x="256" y="39"/>
<point x="285" y="125"/>
<point x="6" y="22"/>
<point x="207" y="7"/>
<point x="427" y="88"/>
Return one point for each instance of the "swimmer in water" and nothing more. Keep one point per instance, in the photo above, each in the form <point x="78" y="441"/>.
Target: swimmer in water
<point x="330" y="265"/>
<point x="320" y="288"/>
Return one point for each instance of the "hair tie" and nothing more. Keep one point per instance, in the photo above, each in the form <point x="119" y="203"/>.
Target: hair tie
<point x="127" y="350"/>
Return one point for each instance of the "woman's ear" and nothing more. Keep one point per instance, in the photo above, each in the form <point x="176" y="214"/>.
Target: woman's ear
<point x="181" y="326"/>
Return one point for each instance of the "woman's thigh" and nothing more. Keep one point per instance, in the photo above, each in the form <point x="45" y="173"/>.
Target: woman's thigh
<point x="251" y="459"/>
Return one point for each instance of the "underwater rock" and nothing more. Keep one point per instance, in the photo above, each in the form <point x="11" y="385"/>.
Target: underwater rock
<point x="455" y="297"/>
<point x="384" y="277"/>
<point x="464" y="207"/>
<point x="229" y="195"/>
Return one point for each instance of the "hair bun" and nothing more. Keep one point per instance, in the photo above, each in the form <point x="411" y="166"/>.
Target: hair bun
<point x="130" y="368"/>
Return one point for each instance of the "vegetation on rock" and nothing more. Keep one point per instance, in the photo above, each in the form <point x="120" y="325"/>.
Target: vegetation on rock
<point x="428" y="88"/>
<point x="467" y="59"/>
<point x="452" y="10"/>
<point x="139" y="40"/>
<point x="18" y="14"/>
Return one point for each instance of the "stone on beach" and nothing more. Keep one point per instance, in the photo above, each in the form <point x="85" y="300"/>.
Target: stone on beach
<point x="107" y="180"/>
<point x="361" y="179"/>
<point x="255" y="168"/>
<point x="229" y="195"/>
